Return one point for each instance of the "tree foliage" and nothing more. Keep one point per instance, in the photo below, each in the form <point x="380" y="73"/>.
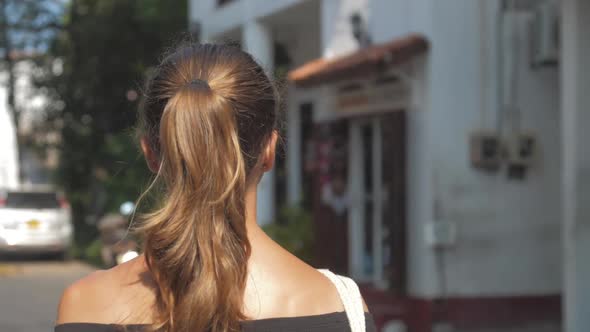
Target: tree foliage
<point x="93" y="74"/>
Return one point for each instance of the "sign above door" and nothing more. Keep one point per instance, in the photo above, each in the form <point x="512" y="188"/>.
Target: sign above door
<point x="386" y="94"/>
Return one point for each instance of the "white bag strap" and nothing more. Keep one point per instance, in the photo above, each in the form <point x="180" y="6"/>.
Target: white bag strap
<point x="351" y="300"/>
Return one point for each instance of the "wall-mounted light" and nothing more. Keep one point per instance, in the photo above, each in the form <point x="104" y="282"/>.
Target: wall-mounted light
<point x="359" y="29"/>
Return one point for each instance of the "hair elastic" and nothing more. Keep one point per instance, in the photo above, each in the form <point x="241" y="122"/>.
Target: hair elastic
<point x="199" y="82"/>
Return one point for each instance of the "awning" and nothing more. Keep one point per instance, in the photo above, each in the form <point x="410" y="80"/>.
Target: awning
<point x="364" y="62"/>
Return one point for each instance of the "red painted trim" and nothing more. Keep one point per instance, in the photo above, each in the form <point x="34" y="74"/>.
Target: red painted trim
<point x="502" y="311"/>
<point x="421" y="314"/>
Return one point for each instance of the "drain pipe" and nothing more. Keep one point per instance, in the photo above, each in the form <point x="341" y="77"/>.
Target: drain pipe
<point x="501" y="107"/>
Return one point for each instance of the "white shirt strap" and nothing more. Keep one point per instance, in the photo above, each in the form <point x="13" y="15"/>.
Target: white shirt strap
<point x="351" y="300"/>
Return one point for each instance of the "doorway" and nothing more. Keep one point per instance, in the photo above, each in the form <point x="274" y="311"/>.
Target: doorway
<point x="376" y="220"/>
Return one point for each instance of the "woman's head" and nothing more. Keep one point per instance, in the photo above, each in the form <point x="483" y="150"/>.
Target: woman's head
<point x="207" y="126"/>
<point x="218" y="86"/>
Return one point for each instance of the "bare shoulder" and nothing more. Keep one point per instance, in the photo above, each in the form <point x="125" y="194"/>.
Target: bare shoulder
<point x="310" y="290"/>
<point x="118" y="295"/>
<point x="282" y="285"/>
<point x="82" y="301"/>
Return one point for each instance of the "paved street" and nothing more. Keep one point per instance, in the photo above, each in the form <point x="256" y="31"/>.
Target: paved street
<point x="30" y="290"/>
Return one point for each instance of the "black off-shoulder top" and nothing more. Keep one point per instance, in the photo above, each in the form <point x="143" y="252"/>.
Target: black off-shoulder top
<point x="333" y="322"/>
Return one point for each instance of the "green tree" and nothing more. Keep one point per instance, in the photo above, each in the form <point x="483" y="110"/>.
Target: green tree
<point x="93" y="74"/>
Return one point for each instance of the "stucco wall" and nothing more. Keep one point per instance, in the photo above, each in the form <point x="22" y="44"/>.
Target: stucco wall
<point x="508" y="239"/>
<point x="575" y="77"/>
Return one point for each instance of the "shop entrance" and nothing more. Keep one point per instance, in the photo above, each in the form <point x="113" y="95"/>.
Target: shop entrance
<point x="376" y="219"/>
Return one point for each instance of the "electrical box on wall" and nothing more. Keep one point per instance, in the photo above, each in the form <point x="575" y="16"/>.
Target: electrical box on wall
<point x="485" y="150"/>
<point x="521" y="153"/>
<point x="521" y="150"/>
<point x="545" y="34"/>
<point x="489" y="152"/>
<point x="440" y="234"/>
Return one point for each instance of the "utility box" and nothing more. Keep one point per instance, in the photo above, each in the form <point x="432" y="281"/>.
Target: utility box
<point x="440" y="234"/>
<point x="545" y="34"/>
<point x="522" y="150"/>
<point x="521" y="155"/>
<point x="485" y="150"/>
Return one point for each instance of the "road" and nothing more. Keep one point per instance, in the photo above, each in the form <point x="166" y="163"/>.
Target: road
<point x="30" y="291"/>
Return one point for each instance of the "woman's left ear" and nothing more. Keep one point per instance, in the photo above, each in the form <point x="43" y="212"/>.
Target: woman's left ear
<point x="270" y="152"/>
<point x="150" y="156"/>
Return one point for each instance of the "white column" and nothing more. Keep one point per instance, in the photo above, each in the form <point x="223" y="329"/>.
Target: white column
<point x="9" y="163"/>
<point x="329" y="15"/>
<point x="257" y="40"/>
<point x="199" y="12"/>
<point x="575" y="117"/>
<point x="194" y="11"/>
<point x="377" y="185"/>
<point x="356" y="212"/>
<point x="294" y="157"/>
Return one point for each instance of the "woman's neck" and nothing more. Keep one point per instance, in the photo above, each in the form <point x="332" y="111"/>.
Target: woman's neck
<point x="252" y="227"/>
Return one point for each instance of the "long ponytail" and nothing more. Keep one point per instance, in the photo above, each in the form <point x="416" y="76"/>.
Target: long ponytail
<point x="196" y="245"/>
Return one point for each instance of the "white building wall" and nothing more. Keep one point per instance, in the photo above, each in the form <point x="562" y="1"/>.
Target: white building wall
<point x="508" y="230"/>
<point x="257" y="40"/>
<point x="31" y="103"/>
<point x="335" y="36"/>
<point x="336" y="30"/>
<point x="217" y="21"/>
<point x="395" y="18"/>
<point x="575" y="78"/>
<point x="8" y="146"/>
<point x="392" y="19"/>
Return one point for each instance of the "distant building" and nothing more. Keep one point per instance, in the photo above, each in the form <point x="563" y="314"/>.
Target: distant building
<point x="34" y="170"/>
<point x="441" y="147"/>
<point x="8" y="146"/>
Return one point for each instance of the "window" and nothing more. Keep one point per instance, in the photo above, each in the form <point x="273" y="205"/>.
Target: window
<point x="31" y="200"/>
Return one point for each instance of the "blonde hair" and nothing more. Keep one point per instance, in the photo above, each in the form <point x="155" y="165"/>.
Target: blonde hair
<point x="208" y="112"/>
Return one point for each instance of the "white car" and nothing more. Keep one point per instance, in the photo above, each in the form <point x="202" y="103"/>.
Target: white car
<point x="35" y="222"/>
